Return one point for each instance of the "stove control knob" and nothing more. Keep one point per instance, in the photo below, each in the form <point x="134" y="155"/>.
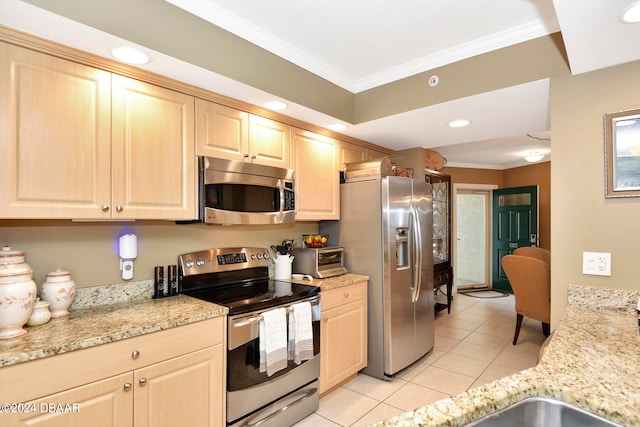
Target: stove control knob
<point x="253" y="256"/>
<point x="199" y="262"/>
<point x="259" y="256"/>
<point x="189" y="264"/>
<point x="266" y="255"/>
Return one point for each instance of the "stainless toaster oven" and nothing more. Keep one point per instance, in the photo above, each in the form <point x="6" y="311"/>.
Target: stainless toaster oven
<point x="319" y="262"/>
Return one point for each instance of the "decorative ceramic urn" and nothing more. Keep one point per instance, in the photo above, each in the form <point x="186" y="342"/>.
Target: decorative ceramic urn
<point x="58" y="290"/>
<point x="17" y="292"/>
<point x="40" y="314"/>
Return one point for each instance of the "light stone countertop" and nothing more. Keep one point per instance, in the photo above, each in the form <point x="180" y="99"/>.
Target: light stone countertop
<point x="103" y="314"/>
<point x="334" y="282"/>
<point x="87" y="327"/>
<point x="591" y="361"/>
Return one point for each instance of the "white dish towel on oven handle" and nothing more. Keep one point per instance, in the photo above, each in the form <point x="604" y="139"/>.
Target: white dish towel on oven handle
<point x="300" y="346"/>
<point x="273" y="341"/>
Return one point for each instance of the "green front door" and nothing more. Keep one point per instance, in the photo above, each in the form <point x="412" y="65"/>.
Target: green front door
<point x="515" y="224"/>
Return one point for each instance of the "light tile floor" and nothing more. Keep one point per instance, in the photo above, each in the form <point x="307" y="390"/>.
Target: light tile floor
<point x="472" y="347"/>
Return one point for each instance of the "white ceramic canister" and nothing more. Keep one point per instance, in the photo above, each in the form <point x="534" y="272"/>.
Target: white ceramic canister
<point x="17" y="292"/>
<point x="283" y="266"/>
<point x="40" y="314"/>
<point x="58" y="290"/>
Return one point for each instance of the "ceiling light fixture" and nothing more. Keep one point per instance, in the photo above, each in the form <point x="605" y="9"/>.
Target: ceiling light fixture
<point x="129" y="55"/>
<point x="533" y="157"/>
<point x="275" y="105"/>
<point x="337" y="127"/>
<point x="632" y="14"/>
<point x="459" y="123"/>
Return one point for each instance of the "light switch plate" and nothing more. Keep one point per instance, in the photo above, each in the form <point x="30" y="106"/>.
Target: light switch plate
<point x="596" y="263"/>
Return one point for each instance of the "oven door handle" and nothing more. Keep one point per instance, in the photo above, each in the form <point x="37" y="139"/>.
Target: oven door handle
<point x="249" y="321"/>
<point x="310" y="392"/>
<point x="256" y="319"/>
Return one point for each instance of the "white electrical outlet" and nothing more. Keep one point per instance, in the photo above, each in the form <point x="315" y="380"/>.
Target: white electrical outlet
<point x="596" y="263"/>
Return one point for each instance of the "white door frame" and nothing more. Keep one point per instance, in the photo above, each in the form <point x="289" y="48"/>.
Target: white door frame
<point x="454" y="219"/>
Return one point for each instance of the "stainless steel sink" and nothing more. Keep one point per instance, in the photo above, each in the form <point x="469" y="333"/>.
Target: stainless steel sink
<point x="542" y="412"/>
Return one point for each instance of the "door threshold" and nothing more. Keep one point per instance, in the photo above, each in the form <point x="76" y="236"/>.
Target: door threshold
<point x="474" y="288"/>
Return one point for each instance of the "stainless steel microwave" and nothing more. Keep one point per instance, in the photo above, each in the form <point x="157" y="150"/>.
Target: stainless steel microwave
<point x="235" y="192"/>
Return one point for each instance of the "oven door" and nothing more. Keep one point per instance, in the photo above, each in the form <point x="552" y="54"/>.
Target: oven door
<point x="248" y="389"/>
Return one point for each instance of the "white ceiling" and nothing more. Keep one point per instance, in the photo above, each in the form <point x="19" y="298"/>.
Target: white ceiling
<point x="360" y="44"/>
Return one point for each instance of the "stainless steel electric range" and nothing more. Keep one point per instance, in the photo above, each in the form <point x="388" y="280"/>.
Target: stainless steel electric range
<point x="238" y="278"/>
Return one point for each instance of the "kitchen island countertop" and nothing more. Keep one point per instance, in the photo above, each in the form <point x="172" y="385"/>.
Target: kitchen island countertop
<point x="93" y="326"/>
<point x="592" y="361"/>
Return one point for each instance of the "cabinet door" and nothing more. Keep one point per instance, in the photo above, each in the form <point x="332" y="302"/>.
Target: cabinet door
<point x="374" y="154"/>
<point x="343" y="344"/>
<point x="184" y="391"/>
<point x="55" y="131"/>
<point x="106" y="403"/>
<point x="350" y="153"/>
<point x="317" y="176"/>
<point x="269" y="142"/>
<point x="154" y="165"/>
<point x="221" y="131"/>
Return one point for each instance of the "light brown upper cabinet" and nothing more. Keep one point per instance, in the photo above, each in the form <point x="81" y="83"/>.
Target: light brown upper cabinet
<point x="375" y="154"/>
<point x="232" y="134"/>
<point x="153" y="160"/>
<point x="350" y="153"/>
<point x="317" y="177"/>
<point x="79" y="142"/>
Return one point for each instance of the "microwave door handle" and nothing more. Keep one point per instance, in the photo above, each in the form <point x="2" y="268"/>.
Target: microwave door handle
<point x="280" y="213"/>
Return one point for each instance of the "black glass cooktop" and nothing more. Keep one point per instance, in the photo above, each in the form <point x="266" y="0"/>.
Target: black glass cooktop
<point x="254" y="295"/>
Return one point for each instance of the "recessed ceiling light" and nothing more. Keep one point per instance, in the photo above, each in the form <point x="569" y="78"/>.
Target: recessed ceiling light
<point x="337" y="127"/>
<point x="632" y="14"/>
<point x="275" y="105"/>
<point x="459" y="123"/>
<point x="129" y="55"/>
<point x="533" y="156"/>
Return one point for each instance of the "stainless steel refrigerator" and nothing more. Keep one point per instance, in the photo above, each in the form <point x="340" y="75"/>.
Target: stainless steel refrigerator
<point x="385" y="228"/>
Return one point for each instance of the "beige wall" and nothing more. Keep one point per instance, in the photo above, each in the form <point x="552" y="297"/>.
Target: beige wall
<point x="583" y="219"/>
<point x="536" y="174"/>
<point x="89" y="251"/>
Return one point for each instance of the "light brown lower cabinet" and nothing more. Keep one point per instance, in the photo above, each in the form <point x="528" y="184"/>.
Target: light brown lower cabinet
<point x="343" y="334"/>
<point x="186" y="389"/>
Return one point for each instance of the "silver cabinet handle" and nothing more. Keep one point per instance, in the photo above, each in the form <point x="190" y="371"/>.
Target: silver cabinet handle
<point x="119" y="208"/>
<point x="253" y="156"/>
<point x="135" y="354"/>
<point x="346" y="294"/>
<point x="143" y="381"/>
<point x="127" y="386"/>
<point x="105" y="208"/>
<point x="246" y="155"/>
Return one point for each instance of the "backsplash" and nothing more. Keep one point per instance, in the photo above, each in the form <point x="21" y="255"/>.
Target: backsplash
<point x="89" y="250"/>
<point x="595" y="298"/>
<point x="111" y="294"/>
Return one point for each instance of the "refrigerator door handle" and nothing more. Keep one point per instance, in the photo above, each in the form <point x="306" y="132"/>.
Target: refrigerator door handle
<point x="416" y="250"/>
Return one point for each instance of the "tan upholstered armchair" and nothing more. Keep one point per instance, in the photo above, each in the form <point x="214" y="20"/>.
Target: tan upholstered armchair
<point x="530" y="279"/>
<point x="533" y="251"/>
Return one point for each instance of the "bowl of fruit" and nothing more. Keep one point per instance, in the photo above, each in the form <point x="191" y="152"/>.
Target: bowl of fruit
<point x="314" y="240"/>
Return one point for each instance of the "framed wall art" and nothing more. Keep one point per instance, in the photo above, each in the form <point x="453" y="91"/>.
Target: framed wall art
<point x="622" y="153"/>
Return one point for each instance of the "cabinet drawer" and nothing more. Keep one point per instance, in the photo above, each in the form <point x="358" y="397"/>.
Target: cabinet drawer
<point x="29" y="380"/>
<point x="441" y="279"/>
<point x="343" y="295"/>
